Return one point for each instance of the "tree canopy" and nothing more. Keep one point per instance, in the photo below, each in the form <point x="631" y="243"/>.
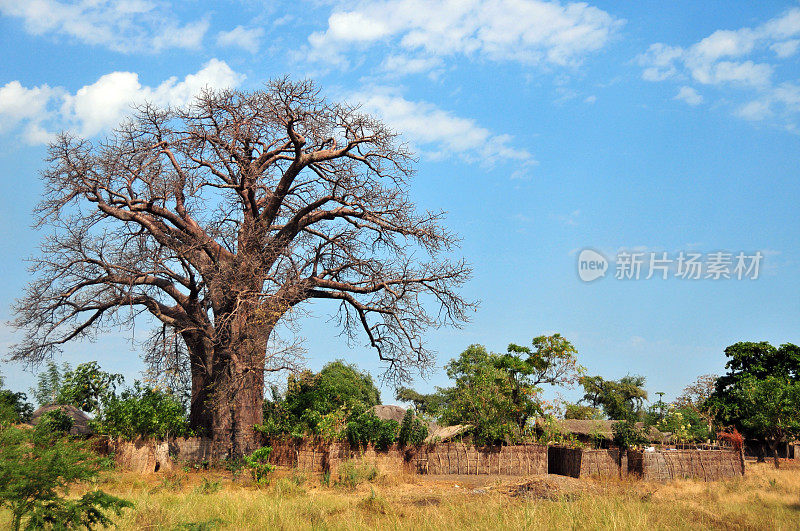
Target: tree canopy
<point x="619" y="399"/>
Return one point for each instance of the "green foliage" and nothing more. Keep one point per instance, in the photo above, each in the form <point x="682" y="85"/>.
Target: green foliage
<point x="142" y="411"/>
<point x="367" y="428"/>
<point x="484" y="397"/>
<point x="621" y="399"/>
<point x="749" y="364"/>
<point x="37" y="467"/>
<point x="768" y="409"/>
<point x="429" y="404"/>
<point x="582" y="412"/>
<point x="627" y="435"/>
<point x="48" y="383"/>
<point x="87" y="387"/>
<point x="412" y="431"/>
<point x="320" y="404"/>
<point x="259" y="465"/>
<point x="14" y="407"/>
<point x="685" y="424"/>
<point x="551" y="433"/>
<point x="55" y="421"/>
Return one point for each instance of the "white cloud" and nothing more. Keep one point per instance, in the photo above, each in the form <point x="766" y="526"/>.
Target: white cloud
<point x="786" y="48"/>
<point x="527" y="31"/>
<point x="689" y="95"/>
<point x="102" y="105"/>
<point x="21" y="104"/>
<point x="241" y="37"/>
<point x="403" y="65"/>
<point x="440" y="133"/>
<point x="732" y="59"/>
<point x="755" y="110"/>
<point x="120" y="25"/>
<point x="590" y="99"/>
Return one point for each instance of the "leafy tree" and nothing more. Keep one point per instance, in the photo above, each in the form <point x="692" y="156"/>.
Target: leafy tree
<point x="619" y="399"/>
<point x="37" y="468"/>
<point x="685" y="424"/>
<point x="749" y="364"/>
<point x="430" y="404"/>
<point x="695" y="397"/>
<point x="48" y="383"/>
<point x="582" y="412"/>
<point x="768" y="408"/>
<point x="220" y="218"/>
<point x="87" y="387"/>
<point x="142" y="411"/>
<point x="627" y="434"/>
<point x="482" y="397"/>
<point x="338" y="391"/>
<point x="412" y="430"/>
<point x="14" y="407"/>
<point x="368" y="428"/>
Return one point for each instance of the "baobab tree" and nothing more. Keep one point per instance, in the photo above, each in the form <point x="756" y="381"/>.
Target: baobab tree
<point x="218" y="220"/>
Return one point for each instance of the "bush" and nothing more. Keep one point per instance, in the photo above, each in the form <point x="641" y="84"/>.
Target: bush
<point x="367" y="428"/>
<point x="627" y="435"/>
<point x="55" y="421"/>
<point x="144" y="412"/>
<point x="37" y="467"/>
<point x="412" y="431"/>
<point x="258" y="463"/>
<point x="14" y="408"/>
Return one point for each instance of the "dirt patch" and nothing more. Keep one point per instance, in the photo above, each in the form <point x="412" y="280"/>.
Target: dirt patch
<point x="551" y="487"/>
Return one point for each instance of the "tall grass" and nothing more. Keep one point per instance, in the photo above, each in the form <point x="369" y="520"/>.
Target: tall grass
<point x="764" y="499"/>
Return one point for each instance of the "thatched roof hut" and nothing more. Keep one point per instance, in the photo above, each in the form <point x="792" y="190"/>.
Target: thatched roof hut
<point x="80" y="420"/>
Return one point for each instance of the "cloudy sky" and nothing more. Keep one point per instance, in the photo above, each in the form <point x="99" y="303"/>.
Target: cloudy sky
<point x="543" y="128"/>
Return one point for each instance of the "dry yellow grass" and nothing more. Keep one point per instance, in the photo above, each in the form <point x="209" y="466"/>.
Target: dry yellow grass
<point x="764" y="499"/>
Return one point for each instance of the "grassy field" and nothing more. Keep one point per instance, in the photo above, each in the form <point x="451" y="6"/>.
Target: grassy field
<point x="764" y="499"/>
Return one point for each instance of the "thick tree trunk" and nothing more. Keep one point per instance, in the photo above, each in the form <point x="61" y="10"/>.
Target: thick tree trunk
<point x="227" y="394"/>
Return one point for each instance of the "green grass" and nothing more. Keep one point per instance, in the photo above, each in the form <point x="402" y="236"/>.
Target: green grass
<point x="764" y="499"/>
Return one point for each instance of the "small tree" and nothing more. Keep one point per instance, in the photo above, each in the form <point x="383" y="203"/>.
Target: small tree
<point x="87" y="386"/>
<point x="620" y="399"/>
<point x="412" y="431"/>
<point x="48" y="383"/>
<point x="37" y="468"/>
<point x="768" y="409"/>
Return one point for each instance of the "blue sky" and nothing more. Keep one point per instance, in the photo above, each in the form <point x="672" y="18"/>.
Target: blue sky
<point x="541" y="127"/>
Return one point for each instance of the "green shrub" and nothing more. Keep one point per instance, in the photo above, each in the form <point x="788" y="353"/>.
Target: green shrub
<point x="145" y="412"/>
<point x="37" y="467"/>
<point x="55" y="421"/>
<point x="14" y="408"/>
<point x="258" y="463"/>
<point x="627" y="435"/>
<point x="367" y="428"/>
<point x="412" y="431"/>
